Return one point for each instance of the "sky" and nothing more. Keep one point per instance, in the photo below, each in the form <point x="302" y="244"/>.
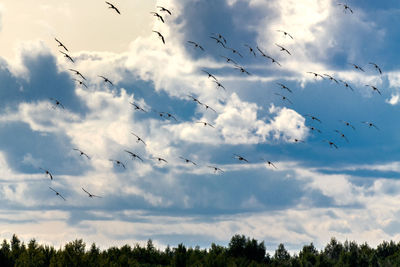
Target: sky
<point x="310" y="192"/>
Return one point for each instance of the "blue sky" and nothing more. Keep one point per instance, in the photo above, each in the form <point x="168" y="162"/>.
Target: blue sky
<point x="315" y="192"/>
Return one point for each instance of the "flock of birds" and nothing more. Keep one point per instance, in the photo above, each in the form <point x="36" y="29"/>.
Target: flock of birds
<point x="221" y="41"/>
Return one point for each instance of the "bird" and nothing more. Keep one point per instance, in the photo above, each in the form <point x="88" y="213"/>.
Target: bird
<point x="269" y="163"/>
<point x="242" y="70"/>
<point x="47" y="172"/>
<point x="169" y="115"/>
<point x="357" y="67"/>
<point x="78" y="73"/>
<point x="160" y="159"/>
<point x="285" y="33"/>
<point x="283" y="49"/>
<point x="57" y="194"/>
<point x="342" y="135"/>
<point x="266" y="56"/>
<point x="208" y="107"/>
<point x="284" y="87"/>
<point x="57" y="103"/>
<point x="313" y="117"/>
<point x="331" y="144"/>
<point x="346" y="85"/>
<point x="155" y="14"/>
<point x="61" y="44"/>
<point x="331" y="78"/>
<point x="218" y="41"/>
<point x="81" y="153"/>
<point x="161" y="36"/>
<point x="234" y="51"/>
<point x="240" y="158"/>
<point x="345" y="7"/>
<point x="251" y="50"/>
<point x="113" y="7"/>
<point x="298" y="140"/>
<point x="219" y="85"/>
<point x="210" y="75"/>
<point x="163" y="9"/>
<point x="206" y="123"/>
<point x="133" y="155"/>
<point x="228" y="60"/>
<point x="195" y="99"/>
<point x="106" y="80"/>
<point x="219" y="36"/>
<point x="216" y="169"/>
<point x="67" y="56"/>
<point x="138" y="138"/>
<point x="137" y="107"/>
<point x="370" y="124"/>
<point x="376" y="67"/>
<point x="284" y="98"/>
<point x="374" y="88"/>
<point x="316" y="74"/>
<point x="347" y="124"/>
<point x="314" y="129"/>
<point x="196" y="45"/>
<point x="80" y="82"/>
<point x="188" y="160"/>
<point x="118" y="163"/>
<point x="89" y="194"/>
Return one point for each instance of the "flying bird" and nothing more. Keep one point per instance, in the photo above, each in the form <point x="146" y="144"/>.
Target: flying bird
<point x="118" y="163"/>
<point x="137" y="107"/>
<point x="346" y="85"/>
<point x="218" y="41"/>
<point x="208" y="107"/>
<point x="219" y="85"/>
<point x="313" y="118"/>
<point x="284" y="98"/>
<point x="78" y="73"/>
<point x="188" y="160"/>
<point x="210" y="75"/>
<point x="80" y="82"/>
<point x="160" y="159"/>
<point x="163" y="9"/>
<point x="196" y="45"/>
<point x="219" y="36"/>
<point x="331" y="144"/>
<point x="357" y="67"/>
<point x="266" y="56"/>
<point x="47" y="172"/>
<point x="169" y="115"/>
<point x="374" y="88"/>
<point x="345" y="7"/>
<point x="81" y="153"/>
<point x="242" y="70"/>
<point x="113" y="7"/>
<point x="155" y="14"/>
<point x="240" y="158"/>
<point x="269" y="163"/>
<point x="342" y="135"/>
<point x="331" y="78"/>
<point x="206" y="123"/>
<point x="67" y="56"/>
<point x="57" y="194"/>
<point x="251" y="50"/>
<point x="161" y="36"/>
<point x="284" y="87"/>
<point x="285" y="33"/>
<point x="106" y="80"/>
<point x="316" y="75"/>
<point x="195" y="99"/>
<point x="348" y="124"/>
<point x="61" y="44"/>
<point x="298" y="140"/>
<point x="216" y="169"/>
<point x="228" y="60"/>
<point x="89" y="194"/>
<point x="376" y="67"/>
<point x="234" y="51"/>
<point x="138" y="138"/>
<point x="370" y="124"/>
<point x="283" y="49"/>
<point x="314" y="129"/>
<point x="56" y="103"/>
<point x="133" y="155"/>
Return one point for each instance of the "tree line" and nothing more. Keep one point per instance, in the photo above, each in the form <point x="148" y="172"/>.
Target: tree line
<point x="241" y="251"/>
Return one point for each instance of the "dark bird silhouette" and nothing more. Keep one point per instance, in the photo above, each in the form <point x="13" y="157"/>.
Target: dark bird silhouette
<point x="240" y="158"/>
<point x="218" y="41"/>
<point x="370" y="124"/>
<point x="316" y="75"/>
<point x="331" y="144"/>
<point x="78" y="73"/>
<point x="57" y="194"/>
<point x="345" y="7"/>
<point x="298" y="140"/>
<point x="196" y="45"/>
<point x="269" y="163"/>
<point x="210" y="75"/>
<point x="169" y="115"/>
<point x="133" y="155"/>
<point x="357" y="67"/>
<point x="216" y="169"/>
<point x="346" y="85"/>
<point x="285" y="33"/>
<point x="160" y="159"/>
<point x="206" y="123"/>
<point x="266" y="56"/>
<point x="219" y="85"/>
<point x="61" y="44"/>
<point x="137" y="107"/>
<point x="56" y="103"/>
<point x="376" y="67"/>
<point x="138" y="138"/>
<point x="208" y="107"/>
<point x="161" y="36"/>
<point x="106" y="80"/>
<point x="313" y="118"/>
<point x="80" y="82"/>
<point x="331" y="78"/>
<point x="314" y="129"/>
<point x="47" y="172"/>
<point x="188" y="160"/>
<point x="89" y="194"/>
<point x="81" y="153"/>
<point x="67" y="56"/>
<point x="242" y="70"/>
<point x="228" y="60"/>
<point x="113" y="7"/>
<point x="220" y="37"/>
<point x="283" y="49"/>
<point x="374" y="88"/>
<point x="234" y="51"/>
<point x="251" y="50"/>
<point x="118" y="163"/>
<point x="163" y="9"/>
<point x="284" y="98"/>
<point x="342" y="135"/>
<point x="195" y="99"/>
<point x="348" y="124"/>
<point x="284" y="87"/>
<point x="155" y="14"/>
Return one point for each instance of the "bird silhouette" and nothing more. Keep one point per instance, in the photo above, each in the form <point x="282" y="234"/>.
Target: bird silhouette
<point x="138" y="138"/>
<point x="347" y="124"/>
<point x="346" y="85"/>
<point x="155" y="14"/>
<point x="118" y="163"/>
<point x="218" y="41"/>
<point x="47" y="172"/>
<point x="78" y="73"/>
<point x="345" y="7"/>
<point x="269" y="163"/>
<point x="216" y="169"/>
<point x="163" y="9"/>
<point x="313" y="117"/>
<point x="57" y="103"/>
<point x="285" y="34"/>
<point x="229" y="60"/>
<point x="113" y="7"/>
<point x="188" y="160"/>
<point x="169" y="116"/>
<point x="342" y="135"/>
<point x="67" y="56"/>
<point x="106" y="80"/>
<point x="61" y="44"/>
<point x="316" y="75"/>
<point x="376" y="67"/>
<point x="220" y="37"/>
<point x="370" y="124"/>
<point x="298" y="140"/>
<point x="284" y="87"/>
<point x="357" y="67"/>
<point x="240" y="158"/>
<point x="81" y="153"/>
<point x="210" y="75"/>
<point x="80" y="82"/>
<point x="137" y="107"/>
<point x="196" y="45"/>
<point x="234" y="51"/>
<point x="242" y="70"/>
<point x="331" y="78"/>
<point x="283" y="49"/>
<point x="133" y="155"/>
<point x="206" y="123"/>
<point x="284" y="98"/>
<point x="331" y="144"/>
<point x="312" y="128"/>
<point x="160" y="159"/>
<point x="374" y="89"/>
<point x="58" y="194"/>
<point x="89" y="194"/>
<point x="251" y="50"/>
<point x="160" y="36"/>
<point x="219" y="85"/>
